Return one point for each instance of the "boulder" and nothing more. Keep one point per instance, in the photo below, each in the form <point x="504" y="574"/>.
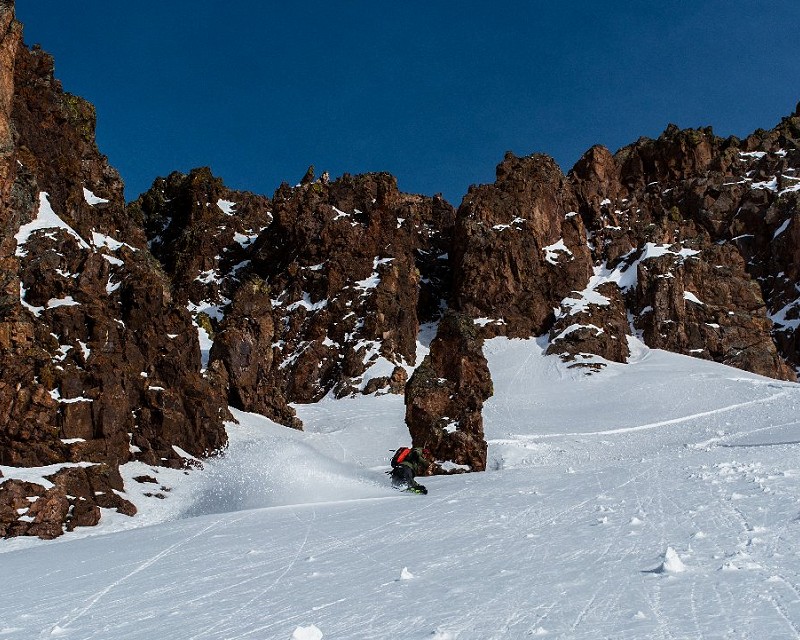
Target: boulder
<point x="74" y="499"/>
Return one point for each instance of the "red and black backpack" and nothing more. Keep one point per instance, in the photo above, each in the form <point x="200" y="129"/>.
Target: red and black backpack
<point x="400" y="455"/>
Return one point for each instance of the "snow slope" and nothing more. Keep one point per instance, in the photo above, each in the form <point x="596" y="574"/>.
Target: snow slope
<point x="654" y="500"/>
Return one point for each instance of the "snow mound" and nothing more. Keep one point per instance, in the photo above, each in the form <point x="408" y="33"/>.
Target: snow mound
<point x="307" y="633"/>
<point x="268" y="465"/>
<point x="672" y="563"/>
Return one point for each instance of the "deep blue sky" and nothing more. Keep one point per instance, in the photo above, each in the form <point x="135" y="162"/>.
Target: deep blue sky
<point x="434" y="92"/>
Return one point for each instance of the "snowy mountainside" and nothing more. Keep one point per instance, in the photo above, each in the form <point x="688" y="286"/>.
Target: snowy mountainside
<point x="654" y="500"/>
<point x="127" y="329"/>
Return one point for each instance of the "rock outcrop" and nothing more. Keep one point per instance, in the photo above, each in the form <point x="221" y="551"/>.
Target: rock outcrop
<point x="591" y="323"/>
<point x="303" y="294"/>
<point x="445" y="396"/>
<point x="354" y="267"/>
<point x="200" y="232"/>
<point x="519" y="248"/>
<point x="242" y="357"/>
<point x="100" y="366"/>
<point x="687" y="225"/>
<point x="72" y="497"/>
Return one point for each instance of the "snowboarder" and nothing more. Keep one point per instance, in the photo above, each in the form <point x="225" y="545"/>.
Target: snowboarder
<point x="408" y="463"/>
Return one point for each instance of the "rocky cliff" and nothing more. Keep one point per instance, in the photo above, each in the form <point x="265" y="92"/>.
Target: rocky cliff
<point x="127" y="330"/>
<point x="99" y="364"/>
<point x="304" y="293"/>
<point x="695" y="232"/>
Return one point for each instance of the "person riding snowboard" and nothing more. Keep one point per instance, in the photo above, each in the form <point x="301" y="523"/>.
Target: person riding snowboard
<point x="408" y="463"/>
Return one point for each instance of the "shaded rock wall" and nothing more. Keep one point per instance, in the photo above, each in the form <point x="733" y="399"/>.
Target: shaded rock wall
<point x="519" y="248"/>
<point x="200" y="231"/>
<point x="354" y="267"/>
<point x="99" y="365"/>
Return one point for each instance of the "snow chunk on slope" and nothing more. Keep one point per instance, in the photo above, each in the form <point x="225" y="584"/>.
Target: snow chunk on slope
<point x="101" y="240"/>
<point x="672" y="563"/>
<point x="576" y="327"/>
<point x="510" y="225"/>
<point x="373" y="280"/>
<point x="306" y="302"/>
<point x="551" y="251"/>
<point x="653" y="250"/>
<point x="782" y="228"/>
<point x="583" y="300"/>
<point x="307" y="633"/>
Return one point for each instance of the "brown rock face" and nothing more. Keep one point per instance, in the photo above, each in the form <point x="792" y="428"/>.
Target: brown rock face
<point x="324" y="280"/>
<point x="519" y="248"/>
<point x="99" y="363"/>
<point x="353" y="266"/>
<point x="591" y="323"/>
<point x="686" y="217"/>
<point x="677" y="155"/>
<point x="242" y="355"/>
<point x="10" y="35"/>
<point x="200" y="231"/>
<point x="10" y="38"/>
<point x="445" y="395"/>
<point x="708" y="307"/>
<point x="699" y="230"/>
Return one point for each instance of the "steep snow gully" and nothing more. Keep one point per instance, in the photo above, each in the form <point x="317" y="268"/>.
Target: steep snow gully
<point x="658" y="499"/>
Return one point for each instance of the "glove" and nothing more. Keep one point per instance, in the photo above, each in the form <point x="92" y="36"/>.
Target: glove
<point x="418" y="489"/>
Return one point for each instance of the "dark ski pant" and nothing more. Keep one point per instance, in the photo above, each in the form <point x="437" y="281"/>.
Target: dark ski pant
<point x="403" y="476"/>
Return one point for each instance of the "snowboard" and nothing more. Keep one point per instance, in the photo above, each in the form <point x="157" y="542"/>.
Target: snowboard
<point x="419" y="490"/>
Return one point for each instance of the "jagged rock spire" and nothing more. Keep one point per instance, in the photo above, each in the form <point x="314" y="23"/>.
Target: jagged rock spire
<point x="309" y="177"/>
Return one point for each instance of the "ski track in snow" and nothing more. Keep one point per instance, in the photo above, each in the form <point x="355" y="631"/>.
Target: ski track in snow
<point x="665" y="423"/>
<point x="262" y="592"/>
<point x="62" y="625"/>
<point x="593" y="479"/>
